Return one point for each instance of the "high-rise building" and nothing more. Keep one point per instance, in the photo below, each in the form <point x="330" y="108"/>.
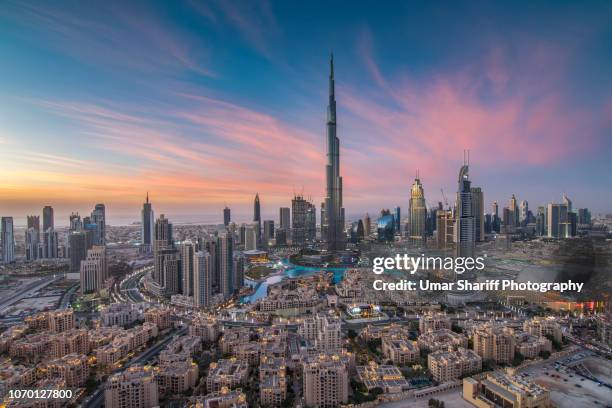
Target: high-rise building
<point x="98" y="217"/>
<point x="445" y="229"/>
<point x="238" y="269"/>
<point x="75" y="222"/>
<point x="357" y="234"/>
<point x="304" y="220"/>
<point x="310" y="231"/>
<point x="268" y="231"/>
<point x="33" y="222"/>
<point x="465" y="229"/>
<point x="226" y="216"/>
<point x="398" y="219"/>
<point x="257" y="218"/>
<point x="557" y="221"/>
<point x="8" y="240"/>
<point x="32" y="239"/>
<point x="325" y="382"/>
<point x="162" y="240"/>
<point x="524" y="213"/>
<point x="496" y="221"/>
<point x="494" y="342"/>
<point x="147" y="223"/>
<point x="541" y="222"/>
<point x="332" y="226"/>
<point x="417" y="212"/>
<point x="367" y="225"/>
<point x="135" y="387"/>
<point x="226" y="264"/>
<point x="48" y="248"/>
<point x="478" y="212"/>
<point x="78" y="249"/>
<point x="202" y="285"/>
<point x="212" y="247"/>
<point x="515" y="211"/>
<point x="250" y="237"/>
<point x="48" y="218"/>
<point x="285" y="219"/>
<point x="169" y="260"/>
<point x="93" y="270"/>
<point x="567" y="202"/>
<point x="187" y="249"/>
<point x="584" y="216"/>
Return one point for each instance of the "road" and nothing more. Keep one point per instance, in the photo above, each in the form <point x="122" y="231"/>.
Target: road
<point x="30" y="290"/>
<point x="97" y="398"/>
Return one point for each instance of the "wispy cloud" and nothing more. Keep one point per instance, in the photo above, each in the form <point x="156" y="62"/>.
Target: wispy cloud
<point x="126" y="37"/>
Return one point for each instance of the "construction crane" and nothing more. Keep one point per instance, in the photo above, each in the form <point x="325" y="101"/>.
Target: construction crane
<point x="444" y="197"/>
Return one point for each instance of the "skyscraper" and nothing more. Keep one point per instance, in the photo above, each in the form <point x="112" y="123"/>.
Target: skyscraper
<point x="226" y="264"/>
<point x="162" y="241"/>
<point x="75" y="222"/>
<point x="257" y="218"/>
<point x="188" y="269"/>
<point x="48" y="218"/>
<point x="557" y="220"/>
<point x="268" y="230"/>
<point x="478" y="212"/>
<point x="98" y="217"/>
<point x="514" y="211"/>
<point x="303" y="216"/>
<point x="367" y="225"/>
<point x="147" y="222"/>
<point x="78" y="249"/>
<point x="465" y="230"/>
<point x="32" y="239"/>
<point x="285" y="219"/>
<point x="34" y="222"/>
<point x="398" y="219"/>
<point x="93" y="270"/>
<point x="8" y="240"/>
<point x="417" y="212"/>
<point x="332" y="226"/>
<point x="524" y="213"/>
<point x="226" y="216"/>
<point x="567" y="202"/>
<point x="202" y="285"/>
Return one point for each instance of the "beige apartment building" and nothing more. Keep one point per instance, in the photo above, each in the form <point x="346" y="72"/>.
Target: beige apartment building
<point x="136" y="387"/>
<point x="325" y="381"/>
<point x="400" y="350"/>
<point x="434" y="321"/>
<point x="494" y="342"/>
<point x="449" y="365"/>
<point x="72" y="368"/>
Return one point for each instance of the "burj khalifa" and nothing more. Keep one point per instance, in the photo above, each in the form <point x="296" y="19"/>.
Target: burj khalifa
<point x="332" y="222"/>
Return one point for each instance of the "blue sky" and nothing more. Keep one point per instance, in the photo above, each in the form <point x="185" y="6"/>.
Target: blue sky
<point x="206" y="103"/>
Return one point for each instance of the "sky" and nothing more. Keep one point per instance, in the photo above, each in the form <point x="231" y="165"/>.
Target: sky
<point x="205" y="103"/>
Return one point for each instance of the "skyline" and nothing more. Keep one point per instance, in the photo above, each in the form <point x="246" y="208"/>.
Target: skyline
<point x="201" y="126"/>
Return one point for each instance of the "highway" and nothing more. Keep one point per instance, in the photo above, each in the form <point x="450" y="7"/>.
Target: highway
<point x="97" y="398"/>
<point x="29" y="290"/>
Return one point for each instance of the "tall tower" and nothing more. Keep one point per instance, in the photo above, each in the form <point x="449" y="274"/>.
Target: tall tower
<point x="465" y="229"/>
<point x="418" y="212"/>
<point x="226" y="216"/>
<point x="98" y="217"/>
<point x="333" y="224"/>
<point x="257" y="218"/>
<point x="48" y="218"/>
<point x="148" y="221"/>
<point x="226" y="265"/>
<point x="8" y="240"/>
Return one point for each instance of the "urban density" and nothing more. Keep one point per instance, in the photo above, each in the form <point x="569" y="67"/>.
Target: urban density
<point x="284" y="310"/>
